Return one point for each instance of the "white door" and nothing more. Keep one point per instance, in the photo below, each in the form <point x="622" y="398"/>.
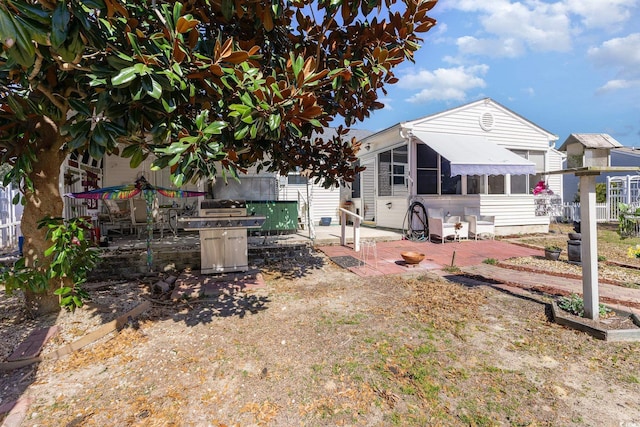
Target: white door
<point x="369" y="190"/>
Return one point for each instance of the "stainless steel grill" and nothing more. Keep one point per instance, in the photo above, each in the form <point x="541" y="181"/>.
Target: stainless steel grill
<point x="223" y="226"/>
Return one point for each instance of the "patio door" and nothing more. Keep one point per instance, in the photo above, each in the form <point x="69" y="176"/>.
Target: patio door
<point x="369" y="190"/>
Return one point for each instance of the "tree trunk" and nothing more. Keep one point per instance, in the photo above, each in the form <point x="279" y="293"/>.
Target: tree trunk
<point x="45" y="200"/>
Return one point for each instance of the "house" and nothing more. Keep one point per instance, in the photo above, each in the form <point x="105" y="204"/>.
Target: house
<point x="311" y="201"/>
<point x="314" y="202"/>
<point x="479" y="155"/>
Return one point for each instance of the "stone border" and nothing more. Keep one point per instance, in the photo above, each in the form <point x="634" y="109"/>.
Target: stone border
<point x="601" y="334"/>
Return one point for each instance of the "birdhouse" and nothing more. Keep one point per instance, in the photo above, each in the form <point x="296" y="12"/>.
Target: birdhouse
<point x="589" y="150"/>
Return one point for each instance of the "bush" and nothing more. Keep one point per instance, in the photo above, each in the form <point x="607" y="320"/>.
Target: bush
<point x="574" y="304"/>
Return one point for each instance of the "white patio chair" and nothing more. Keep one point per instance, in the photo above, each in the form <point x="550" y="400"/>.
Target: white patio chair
<point x="444" y="227"/>
<point x="480" y="224"/>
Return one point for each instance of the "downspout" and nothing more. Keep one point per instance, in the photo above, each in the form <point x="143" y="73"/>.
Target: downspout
<point x="407" y="135"/>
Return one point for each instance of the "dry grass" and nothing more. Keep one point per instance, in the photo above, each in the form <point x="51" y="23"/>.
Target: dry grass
<point x="331" y="349"/>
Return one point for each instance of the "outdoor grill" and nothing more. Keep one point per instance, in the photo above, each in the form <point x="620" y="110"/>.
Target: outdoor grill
<point x="223" y="226"/>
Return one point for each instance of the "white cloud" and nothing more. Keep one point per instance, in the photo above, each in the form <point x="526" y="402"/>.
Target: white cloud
<point x="602" y="13"/>
<point x="511" y="28"/>
<point x="509" y="48"/>
<point x="529" y="91"/>
<point x="444" y="84"/>
<point x="622" y="53"/>
<point x="615" y="85"/>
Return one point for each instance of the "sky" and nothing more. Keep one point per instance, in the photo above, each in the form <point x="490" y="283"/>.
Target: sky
<point x="569" y="66"/>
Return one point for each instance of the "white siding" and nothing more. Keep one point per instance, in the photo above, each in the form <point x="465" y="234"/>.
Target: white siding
<point x="509" y="129"/>
<point x="391" y="212"/>
<point x="117" y="171"/>
<point x="555" y="181"/>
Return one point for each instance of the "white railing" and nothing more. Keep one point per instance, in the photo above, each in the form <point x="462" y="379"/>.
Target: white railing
<point x="571" y="212"/>
<point x="304" y="213"/>
<point x="10" y="216"/>
<point x="357" y="219"/>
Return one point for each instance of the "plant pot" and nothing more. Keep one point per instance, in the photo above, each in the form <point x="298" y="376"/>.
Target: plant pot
<point x="552" y="255"/>
<point x="412" y="257"/>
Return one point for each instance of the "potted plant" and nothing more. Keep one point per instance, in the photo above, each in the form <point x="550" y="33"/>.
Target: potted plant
<point x="552" y="252"/>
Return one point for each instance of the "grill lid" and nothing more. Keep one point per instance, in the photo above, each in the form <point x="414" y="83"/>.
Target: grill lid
<point x="223" y="204"/>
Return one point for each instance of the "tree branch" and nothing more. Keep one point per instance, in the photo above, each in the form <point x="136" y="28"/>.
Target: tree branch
<point x="52" y="97"/>
<point x="36" y="66"/>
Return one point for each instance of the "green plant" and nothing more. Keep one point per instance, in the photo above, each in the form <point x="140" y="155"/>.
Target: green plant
<point x="602" y="258"/>
<point x="626" y="224"/>
<point x="574" y="304"/>
<point x="490" y="261"/>
<point x="72" y="257"/>
<point x="553" y="248"/>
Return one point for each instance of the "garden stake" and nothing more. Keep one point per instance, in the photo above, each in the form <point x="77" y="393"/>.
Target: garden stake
<point x="453" y="258"/>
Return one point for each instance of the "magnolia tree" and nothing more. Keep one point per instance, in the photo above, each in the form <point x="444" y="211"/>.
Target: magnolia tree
<point x="206" y="86"/>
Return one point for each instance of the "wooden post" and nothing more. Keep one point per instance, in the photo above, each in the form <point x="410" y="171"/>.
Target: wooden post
<point x="589" y="232"/>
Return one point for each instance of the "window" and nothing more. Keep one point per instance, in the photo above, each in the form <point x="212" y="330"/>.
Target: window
<point x="523" y="184"/>
<point x="427" y="169"/>
<point x="496" y="184"/>
<point x="450" y="184"/>
<point x="475" y="184"/>
<point x="430" y="165"/>
<point x="355" y="185"/>
<point x="295" y="178"/>
<point x="392" y="169"/>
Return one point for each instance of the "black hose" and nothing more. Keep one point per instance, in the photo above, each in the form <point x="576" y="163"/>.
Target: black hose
<point x="416" y="217"/>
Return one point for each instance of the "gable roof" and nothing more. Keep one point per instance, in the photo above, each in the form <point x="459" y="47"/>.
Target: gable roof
<point x="486" y="101"/>
<point x="591" y="140"/>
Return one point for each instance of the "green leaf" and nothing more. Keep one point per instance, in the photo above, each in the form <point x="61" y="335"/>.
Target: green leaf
<point x="59" y="24"/>
<point x="94" y="4"/>
<point x="130" y="150"/>
<point x="227" y="9"/>
<point x="96" y="151"/>
<point x="297" y="64"/>
<point x="16" y="107"/>
<point x="241" y="133"/>
<point x="63" y="291"/>
<point x="32" y="11"/>
<point x="169" y="105"/>
<point x="34" y="30"/>
<point x="137" y="159"/>
<point x="80" y="106"/>
<point x="124" y="77"/>
<point x="156" y="91"/>
<point x="200" y="119"/>
<point x="100" y="135"/>
<point x="23" y="51"/>
<point x="274" y="121"/>
<point x="215" y="128"/>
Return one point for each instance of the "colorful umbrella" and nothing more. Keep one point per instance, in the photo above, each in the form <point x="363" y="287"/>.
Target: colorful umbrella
<point x="127" y="191"/>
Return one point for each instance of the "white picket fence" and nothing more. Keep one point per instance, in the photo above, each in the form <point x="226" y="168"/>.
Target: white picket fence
<point x="10" y="216"/>
<point x="569" y="212"/>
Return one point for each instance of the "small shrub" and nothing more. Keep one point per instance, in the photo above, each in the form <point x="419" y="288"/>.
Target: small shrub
<point x="574" y="304"/>
<point x="490" y="261"/>
<point x="602" y="258"/>
<point x="553" y="248"/>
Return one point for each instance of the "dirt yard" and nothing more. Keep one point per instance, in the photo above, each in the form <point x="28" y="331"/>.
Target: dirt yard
<point x="319" y="346"/>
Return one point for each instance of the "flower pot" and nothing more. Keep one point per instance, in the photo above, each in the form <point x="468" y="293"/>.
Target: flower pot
<point x="412" y="257"/>
<point x="552" y="255"/>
